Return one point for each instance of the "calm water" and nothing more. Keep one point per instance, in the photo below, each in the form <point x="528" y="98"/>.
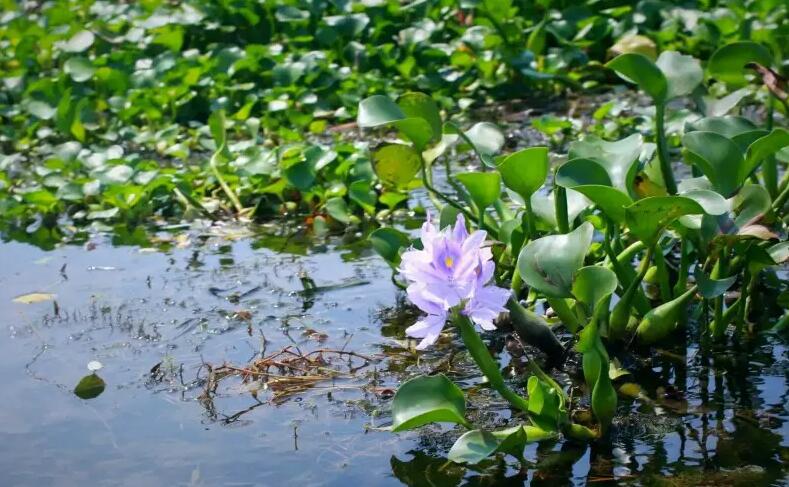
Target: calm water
<point x="157" y="317"/>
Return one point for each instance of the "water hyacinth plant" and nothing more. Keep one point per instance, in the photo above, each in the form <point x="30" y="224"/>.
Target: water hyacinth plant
<point x="451" y="275"/>
<point x="623" y="248"/>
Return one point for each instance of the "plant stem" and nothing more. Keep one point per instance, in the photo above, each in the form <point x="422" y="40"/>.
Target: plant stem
<point x="532" y="230"/>
<point x="560" y="207"/>
<point x="662" y="149"/>
<point x="721" y="268"/>
<point x="770" y="166"/>
<point x="565" y="313"/>
<point x="228" y="191"/>
<point x="479" y="352"/>
<point x="684" y="266"/>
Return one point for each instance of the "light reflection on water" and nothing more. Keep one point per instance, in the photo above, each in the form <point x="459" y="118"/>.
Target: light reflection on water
<point x="133" y="309"/>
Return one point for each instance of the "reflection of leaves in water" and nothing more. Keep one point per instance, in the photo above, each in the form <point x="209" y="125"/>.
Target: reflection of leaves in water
<point x="32" y="298"/>
<point x="89" y="387"/>
<point x="424" y="469"/>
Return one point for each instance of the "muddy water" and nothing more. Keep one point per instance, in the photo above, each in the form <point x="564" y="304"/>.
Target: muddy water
<point x="160" y="317"/>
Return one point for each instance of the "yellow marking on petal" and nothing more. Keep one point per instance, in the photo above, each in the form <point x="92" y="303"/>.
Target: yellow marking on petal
<point x="448" y="262"/>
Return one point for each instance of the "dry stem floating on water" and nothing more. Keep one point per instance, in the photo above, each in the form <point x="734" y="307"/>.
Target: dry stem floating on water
<point x="289" y="371"/>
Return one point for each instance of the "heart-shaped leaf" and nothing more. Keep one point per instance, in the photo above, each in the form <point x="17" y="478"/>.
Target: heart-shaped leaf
<point x="79" y="68"/>
<point x="719" y="159"/>
<point x="648" y="217"/>
<point x="476" y="445"/>
<point x="639" y="69"/>
<point x="473" y="447"/>
<point x="427" y="399"/>
<point x="483" y="187"/>
<point x="709" y="287"/>
<point x="378" y="110"/>
<point x="727" y="64"/>
<point x="683" y="73"/>
<point x="485" y="139"/>
<point x="362" y="194"/>
<point x="89" y="387"/>
<point x="548" y="264"/>
<point x="591" y="179"/>
<point x="545" y="208"/>
<point x="762" y="148"/>
<point x="396" y="164"/>
<point x="525" y="171"/>
<point x="593" y="284"/>
<point x="618" y="158"/>
<point x="387" y="242"/>
<point x="420" y="105"/>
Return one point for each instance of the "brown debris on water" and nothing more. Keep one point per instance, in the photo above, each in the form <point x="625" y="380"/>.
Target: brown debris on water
<point x="289" y="372"/>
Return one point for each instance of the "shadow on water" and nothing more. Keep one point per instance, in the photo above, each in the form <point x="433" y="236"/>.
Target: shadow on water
<point x="188" y="323"/>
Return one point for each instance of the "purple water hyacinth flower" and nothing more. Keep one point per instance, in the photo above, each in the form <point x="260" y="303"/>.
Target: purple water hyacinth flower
<point x="452" y="269"/>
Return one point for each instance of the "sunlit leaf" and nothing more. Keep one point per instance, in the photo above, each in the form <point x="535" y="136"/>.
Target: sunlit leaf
<point x="427" y="399"/>
<point x="548" y="264"/>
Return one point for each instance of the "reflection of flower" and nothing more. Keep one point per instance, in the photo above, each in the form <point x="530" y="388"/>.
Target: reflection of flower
<point x="452" y="269"/>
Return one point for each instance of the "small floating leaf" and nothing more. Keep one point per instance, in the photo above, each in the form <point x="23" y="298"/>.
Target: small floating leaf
<point x="90" y="386"/>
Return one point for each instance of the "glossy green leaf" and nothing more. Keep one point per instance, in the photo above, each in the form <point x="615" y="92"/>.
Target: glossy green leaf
<point x="417" y="119"/>
<point x="338" y="209"/>
<point x="593" y="284"/>
<point x="79" y="68"/>
<point x="683" y="73"/>
<point x="420" y="105"/>
<point x="548" y="264"/>
<point x="727" y="126"/>
<point x="388" y="242"/>
<point x="476" y="445"/>
<point x="378" y="110"/>
<point x="712" y="288"/>
<point x="544" y="404"/>
<point x="591" y="179"/>
<point x="752" y="202"/>
<point x="648" y="217"/>
<point x="762" y="148"/>
<point x="545" y="208"/>
<point x="89" y="387"/>
<point x="639" y="69"/>
<point x="712" y="202"/>
<point x="525" y="171"/>
<point x="618" y="158"/>
<point x="483" y="187"/>
<point x="79" y="42"/>
<point x="362" y="194"/>
<point x="485" y="138"/>
<point x="427" y="399"/>
<point x="473" y="447"/>
<point x="719" y="159"/>
<point x="396" y="164"/>
<point x="727" y="64"/>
